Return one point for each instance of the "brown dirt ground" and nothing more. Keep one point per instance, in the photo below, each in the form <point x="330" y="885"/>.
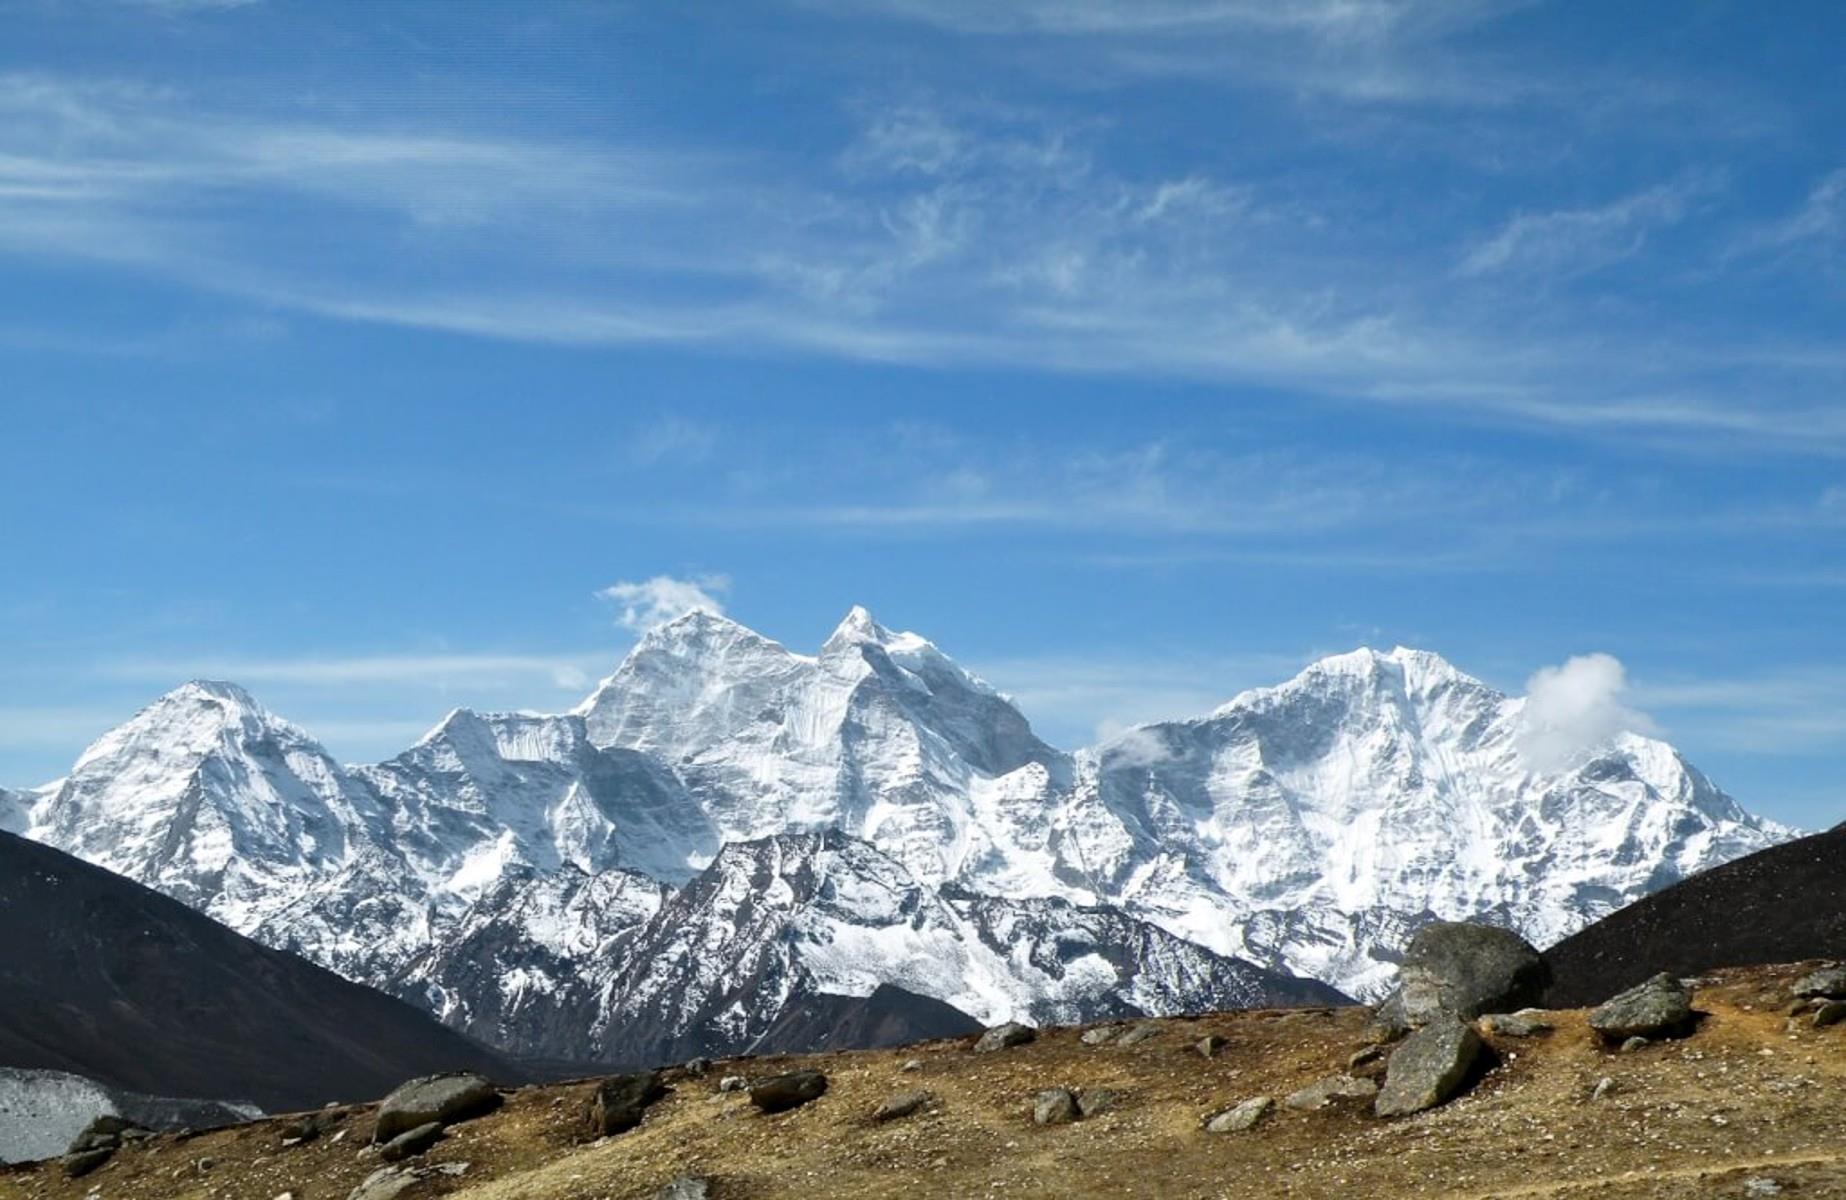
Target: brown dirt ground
<point x="1745" y="1097"/>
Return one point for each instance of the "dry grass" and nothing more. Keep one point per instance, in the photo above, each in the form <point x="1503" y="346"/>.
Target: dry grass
<point x="1741" y="1098"/>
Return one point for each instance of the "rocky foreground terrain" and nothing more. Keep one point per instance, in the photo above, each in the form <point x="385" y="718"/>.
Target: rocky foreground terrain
<point x="1748" y="1100"/>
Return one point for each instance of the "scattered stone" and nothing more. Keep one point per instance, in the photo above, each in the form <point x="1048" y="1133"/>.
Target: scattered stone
<point x="1388" y="1020"/>
<point x="1428" y="1067"/>
<point x="1323" y="1092"/>
<point x="1830" y="1013"/>
<point x="1761" y="1185"/>
<point x="1005" y="1037"/>
<point x="1054" y="1106"/>
<point x="621" y="1100"/>
<point x="900" y="1105"/>
<point x="1603" y="1087"/>
<point x="205" y="1164"/>
<point x="1828" y="982"/>
<point x="686" y="1187"/>
<point x="779" y="1093"/>
<point x="912" y="1064"/>
<point x="1660" y="1006"/>
<point x="1366" y="1056"/>
<point x="308" y="1128"/>
<point x="698" y="1068"/>
<point x="1094" y="1101"/>
<point x="1240" y="1117"/>
<point x="1210" y="1045"/>
<point x="1527" y="1022"/>
<point x="733" y="1083"/>
<point x="453" y="1168"/>
<point x="1102" y="1035"/>
<point x="386" y="1183"/>
<point x="104" y="1133"/>
<point x="1635" y="1043"/>
<point x="444" y="1099"/>
<point x="411" y="1142"/>
<point x="1464" y="970"/>
<point x="1137" y="1034"/>
<point x="82" y="1162"/>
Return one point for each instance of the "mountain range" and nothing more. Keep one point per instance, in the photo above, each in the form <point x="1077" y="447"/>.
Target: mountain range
<point x="726" y="828"/>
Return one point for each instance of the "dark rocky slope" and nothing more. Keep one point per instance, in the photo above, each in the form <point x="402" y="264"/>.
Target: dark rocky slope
<point x="1783" y="904"/>
<point x="890" y="1016"/>
<point x="104" y="978"/>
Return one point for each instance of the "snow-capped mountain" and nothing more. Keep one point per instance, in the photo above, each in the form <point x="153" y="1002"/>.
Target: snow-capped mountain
<point x="1309" y="827"/>
<point x="774" y="920"/>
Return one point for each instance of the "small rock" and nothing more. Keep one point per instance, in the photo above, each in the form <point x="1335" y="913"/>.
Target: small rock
<point x="1005" y="1037"/>
<point x="1603" y="1087"/>
<point x="1102" y="1035"/>
<point x="912" y="1064"/>
<point x="1137" y="1034"/>
<point x="1662" y="1005"/>
<point x="1428" y="1067"/>
<point x="1093" y="1101"/>
<point x="444" y="1099"/>
<point x="1210" y="1045"/>
<point x="621" y="1101"/>
<point x="453" y="1168"/>
<point x="1240" y="1117"/>
<point x="386" y="1183"/>
<point x="77" y="1165"/>
<point x="1054" y="1106"/>
<point x="698" y="1068"/>
<point x="1830" y="1013"/>
<point x="1635" y="1043"/>
<point x="1761" y="1185"/>
<point x="285" y="1196"/>
<point x="411" y="1142"/>
<point x="733" y="1083"/>
<point x="1323" y="1092"/>
<point x="1526" y="1023"/>
<point x="205" y="1164"/>
<point x="105" y="1132"/>
<point x="900" y="1105"/>
<point x="1366" y="1056"/>
<point x="1828" y="982"/>
<point x="780" y="1093"/>
<point x="686" y="1187"/>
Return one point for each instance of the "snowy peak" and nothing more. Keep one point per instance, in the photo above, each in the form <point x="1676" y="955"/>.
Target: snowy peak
<point x="857" y="629"/>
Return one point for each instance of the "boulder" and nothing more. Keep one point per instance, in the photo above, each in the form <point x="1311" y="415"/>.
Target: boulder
<point x="1102" y="1034"/>
<point x="411" y="1142"/>
<point x="1428" y="1067"/>
<point x="1323" y="1092"/>
<point x="1054" y="1106"/>
<point x="900" y="1105"/>
<point x="386" y="1183"/>
<point x="1210" y="1045"/>
<point x="1465" y="970"/>
<point x="82" y="1162"/>
<point x="444" y="1099"/>
<point x="1830" y="1013"/>
<point x="1094" y="1101"/>
<point x="1240" y="1117"/>
<point x="1659" y="1007"/>
<point x="621" y="1100"/>
<point x="105" y="1132"/>
<point x="1828" y="982"/>
<point x="1005" y="1037"/>
<point x="1136" y="1034"/>
<point x="780" y="1093"/>
<point x="734" y="1083"/>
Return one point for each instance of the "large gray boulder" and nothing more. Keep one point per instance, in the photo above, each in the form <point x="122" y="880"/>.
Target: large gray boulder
<point x="1660" y="1007"/>
<point x="1323" y="1092"/>
<point x="620" y="1102"/>
<point x="1005" y="1037"/>
<point x="1428" y="1067"/>
<point x="779" y="1093"/>
<point x="442" y="1099"/>
<point x="1828" y="981"/>
<point x="1240" y="1117"/>
<point x="1055" y="1106"/>
<point x="1465" y="970"/>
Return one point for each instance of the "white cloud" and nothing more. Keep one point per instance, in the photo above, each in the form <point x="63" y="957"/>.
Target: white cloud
<point x="567" y="671"/>
<point x="1574" y="709"/>
<point x="650" y="602"/>
<point x="1575" y="241"/>
<point x="672" y="437"/>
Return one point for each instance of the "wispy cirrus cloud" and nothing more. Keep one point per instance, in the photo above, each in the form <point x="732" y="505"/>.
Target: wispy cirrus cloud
<point x="1568" y="242"/>
<point x="569" y="671"/>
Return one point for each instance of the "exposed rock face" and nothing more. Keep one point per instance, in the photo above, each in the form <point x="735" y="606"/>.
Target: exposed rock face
<point x="1465" y="970"/>
<point x="1658" y="1007"/>
<point x="439" y="1099"/>
<point x="1428" y="1067"/>
<point x="620" y="1103"/>
<point x="779" y="1093"/>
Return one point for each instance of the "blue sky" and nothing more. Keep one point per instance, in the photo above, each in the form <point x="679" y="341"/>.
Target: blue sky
<point x="1136" y="352"/>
